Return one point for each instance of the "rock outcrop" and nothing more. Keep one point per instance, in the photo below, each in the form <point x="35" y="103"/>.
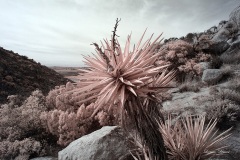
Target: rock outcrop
<point x="235" y="16"/>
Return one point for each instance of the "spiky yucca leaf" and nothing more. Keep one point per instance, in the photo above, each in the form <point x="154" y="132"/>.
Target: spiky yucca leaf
<point x="172" y="139"/>
<point x="114" y="73"/>
<point x="190" y="140"/>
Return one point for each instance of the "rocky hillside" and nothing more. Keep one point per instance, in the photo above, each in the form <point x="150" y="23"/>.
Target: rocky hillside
<point x="20" y="75"/>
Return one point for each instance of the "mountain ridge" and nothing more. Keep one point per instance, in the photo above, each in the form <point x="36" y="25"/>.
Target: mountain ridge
<point x="20" y="75"/>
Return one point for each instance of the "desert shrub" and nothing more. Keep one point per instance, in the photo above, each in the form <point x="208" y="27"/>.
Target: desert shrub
<point x="68" y="126"/>
<point x="190" y="86"/>
<point x="225" y="105"/>
<point x="59" y="98"/>
<point x="185" y="87"/>
<point x="14" y="101"/>
<point x="175" y="52"/>
<point x="231" y="90"/>
<point x="19" y="150"/>
<point x="180" y="54"/>
<point x="20" y="126"/>
<point x="65" y="126"/>
<point x="67" y="120"/>
<point x="21" y="119"/>
<point x="231" y="95"/>
<point x="202" y="42"/>
<point x="234" y="84"/>
<point x="225" y="111"/>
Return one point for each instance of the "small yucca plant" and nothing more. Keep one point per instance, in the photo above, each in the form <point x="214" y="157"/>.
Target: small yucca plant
<point x="189" y="139"/>
<point x="128" y="80"/>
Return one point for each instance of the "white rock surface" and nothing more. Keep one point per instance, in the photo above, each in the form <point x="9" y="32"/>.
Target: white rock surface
<point x="105" y="144"/>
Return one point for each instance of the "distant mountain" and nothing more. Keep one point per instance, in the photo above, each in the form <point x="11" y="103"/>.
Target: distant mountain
<point x="20" y="75"/>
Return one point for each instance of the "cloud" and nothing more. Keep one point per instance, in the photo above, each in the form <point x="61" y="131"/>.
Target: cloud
<point x="48" y="31"/>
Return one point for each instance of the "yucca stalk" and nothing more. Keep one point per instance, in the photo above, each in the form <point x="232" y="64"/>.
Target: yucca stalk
<point x="129" y="80"/>
<point x="143" y="118"/>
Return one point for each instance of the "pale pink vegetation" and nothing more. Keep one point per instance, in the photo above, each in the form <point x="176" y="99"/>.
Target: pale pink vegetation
<point x="180" y="54"/>
<point x="176" y="50"/>
<point x="68" y="121"/>
<point x="20" y="127"/>
<point x="19" y="150"/>
<point x="116" y="74"/>
<point x="190" y="139"/>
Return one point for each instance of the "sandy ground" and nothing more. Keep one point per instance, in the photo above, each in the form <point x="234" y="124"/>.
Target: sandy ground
<point x="68" y="72"/>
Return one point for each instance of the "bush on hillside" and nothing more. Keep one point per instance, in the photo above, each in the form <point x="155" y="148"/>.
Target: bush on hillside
<point x="68" y="120"/>
<point x="21" y="131"/>
<point x="181" y="56"/>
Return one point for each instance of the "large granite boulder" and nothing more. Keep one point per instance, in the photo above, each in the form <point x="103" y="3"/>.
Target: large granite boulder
<point x="226" y="32"/>
<point x="230" y="28"/>
<point x="107" y="143"/>
<point x="232" y="55"/>
<point x="218" y="48"/>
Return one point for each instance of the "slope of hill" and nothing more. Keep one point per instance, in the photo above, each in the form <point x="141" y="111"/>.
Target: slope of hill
<point x="20" y="75"/>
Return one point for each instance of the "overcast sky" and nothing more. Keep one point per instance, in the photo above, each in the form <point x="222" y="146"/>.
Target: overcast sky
<point x="58" y="32"/>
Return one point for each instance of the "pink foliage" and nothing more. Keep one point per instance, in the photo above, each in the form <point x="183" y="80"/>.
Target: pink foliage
<point x="180" y="54"/>
<point x="69" y="121"/>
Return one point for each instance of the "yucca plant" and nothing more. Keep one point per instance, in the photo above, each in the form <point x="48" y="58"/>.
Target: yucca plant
<point x="129" y="80"/>
<point x="190" y="139"/>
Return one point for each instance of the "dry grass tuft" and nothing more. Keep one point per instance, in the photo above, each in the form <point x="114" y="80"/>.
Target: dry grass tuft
<point x="225" y="111"/>
<point x="231" y="95"/>
<point x="190" y="86"/>
<point x="188" y="139"/>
